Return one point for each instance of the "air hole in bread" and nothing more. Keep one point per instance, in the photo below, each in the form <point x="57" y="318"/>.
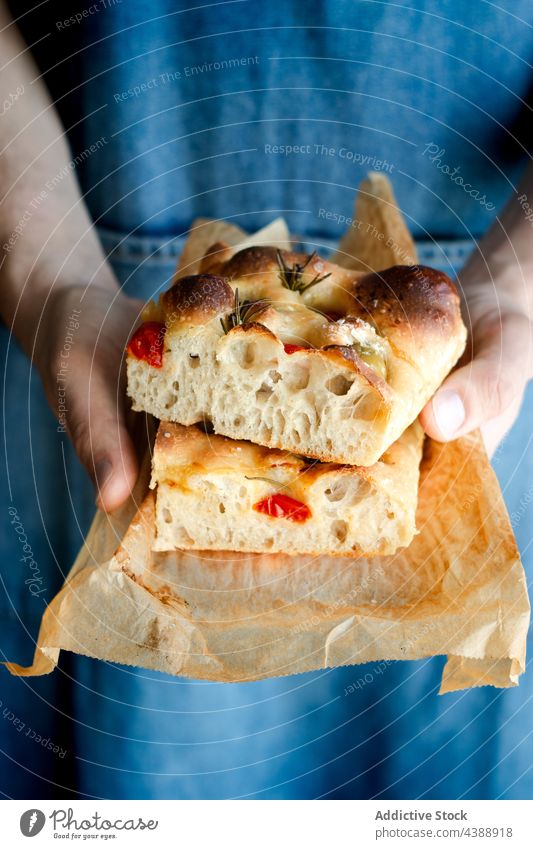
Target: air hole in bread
<point x="339" y="529"/>
<point x="243" y="492"/>
<point x="267" y="386"/>
<point x="176" y="386"/>
<point x="263" y="393"/>
<point x="368" y="407"/>
<point x="390" y="514"/>
<point x="237" y="421"/>
<point x="171" y="400"/>
<point x="295" y="436"/>
<point x="194" y="360"/>
<point x="167" y="517"/>
<point x="361" y="491"/>
<point x="245" y="353"/>
<point x="182" y="537"/>
<point x="298" y="378"/>
<point x="303" y="425"/>
<point x="337" y="491"/>
<point x="339" y="385"/>
<point x="279" y="422"/>
<point x="221" y="508"/>
<point x="348" y="410"/>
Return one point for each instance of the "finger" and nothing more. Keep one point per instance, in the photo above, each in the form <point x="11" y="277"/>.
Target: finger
<point x="96" y="425"/>
<point x="484" y="389"/>
<point x="494" y="431"/>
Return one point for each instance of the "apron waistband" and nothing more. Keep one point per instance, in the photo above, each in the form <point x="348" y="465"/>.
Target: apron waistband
<point x="132" y="249"/>
<point x="444" y="252"/>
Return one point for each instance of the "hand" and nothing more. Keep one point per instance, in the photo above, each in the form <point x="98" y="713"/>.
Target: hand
<point x="487" y="389"/>
<point x="84" y="383"/>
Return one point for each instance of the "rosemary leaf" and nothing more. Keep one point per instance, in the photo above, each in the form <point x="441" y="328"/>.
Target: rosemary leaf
<point x="292" y="276"/>
<point x="244" y="312"/>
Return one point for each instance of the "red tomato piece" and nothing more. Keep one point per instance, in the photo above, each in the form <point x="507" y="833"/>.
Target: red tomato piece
<point x="281" y="506"/>
<point x="147" y="343"/>
<point x="290" y="349"/>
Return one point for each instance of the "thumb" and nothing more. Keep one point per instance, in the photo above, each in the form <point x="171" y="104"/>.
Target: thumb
<point x="486" y="387"/>
<point x="95" y="423"/>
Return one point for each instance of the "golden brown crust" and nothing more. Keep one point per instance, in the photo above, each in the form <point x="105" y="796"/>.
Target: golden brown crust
<point x="403" y="300"/>
<point x="216" y="255"/>
<point x="256" y="329"/>
<point x="249" y="261"/>
<point x="189" y="447"/>
<point x="410" y="298"/>
<point x="261" y="259"/>
<point x="256" y="271"/>
<point x="180" y="451"/>
<point x="197" y="299"/>
<point x="406" y="304"/>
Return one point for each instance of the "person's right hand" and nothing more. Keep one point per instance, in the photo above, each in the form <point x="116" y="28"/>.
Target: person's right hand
<point x="486" y="391"/>
<point x="93" y="380"/>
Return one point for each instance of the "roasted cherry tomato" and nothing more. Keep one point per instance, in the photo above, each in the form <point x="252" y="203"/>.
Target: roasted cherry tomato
<point x="290" y="349"/>
<point x="281" y="506"/>
<point x="147" y="343"/>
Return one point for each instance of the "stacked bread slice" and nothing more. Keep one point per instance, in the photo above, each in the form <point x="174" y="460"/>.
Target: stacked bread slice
<point x="288" y="389"/>
<point x="219" y="493"/>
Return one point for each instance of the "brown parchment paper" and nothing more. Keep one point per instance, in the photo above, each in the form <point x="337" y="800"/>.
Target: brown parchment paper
<point x="458" y="590"/>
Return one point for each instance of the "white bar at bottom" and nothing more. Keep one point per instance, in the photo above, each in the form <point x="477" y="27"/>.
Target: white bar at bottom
<point x="268" y="824"/>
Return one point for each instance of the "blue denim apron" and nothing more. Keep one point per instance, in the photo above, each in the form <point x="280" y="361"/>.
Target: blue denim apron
<point x="353" y="86"/>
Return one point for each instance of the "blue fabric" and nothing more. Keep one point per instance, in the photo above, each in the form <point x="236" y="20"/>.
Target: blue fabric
<point x="383" y="81"/>
<point x="375" y="81"/>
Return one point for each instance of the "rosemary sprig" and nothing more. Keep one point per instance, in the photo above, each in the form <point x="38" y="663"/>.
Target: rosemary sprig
<point x="244" y="312"/>
<point x="291" y="276"/>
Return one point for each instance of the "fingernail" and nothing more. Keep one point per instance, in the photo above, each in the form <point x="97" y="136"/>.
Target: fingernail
<point x="449" y="412"/>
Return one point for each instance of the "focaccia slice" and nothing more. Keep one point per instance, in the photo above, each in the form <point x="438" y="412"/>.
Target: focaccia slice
<point x="293" y="352"/>
<point x="217" y="493"/>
